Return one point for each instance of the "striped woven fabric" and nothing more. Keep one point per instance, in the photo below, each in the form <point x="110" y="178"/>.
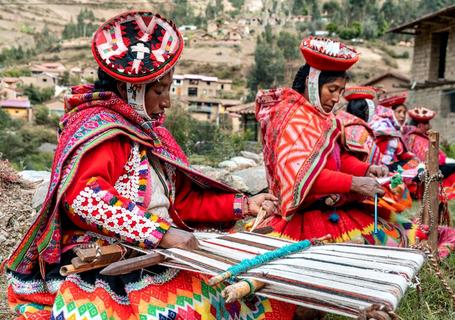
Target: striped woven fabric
<point x="344" y="279"/>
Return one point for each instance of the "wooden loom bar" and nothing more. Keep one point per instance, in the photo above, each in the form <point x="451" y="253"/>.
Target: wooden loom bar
<point x="431" y="206"/>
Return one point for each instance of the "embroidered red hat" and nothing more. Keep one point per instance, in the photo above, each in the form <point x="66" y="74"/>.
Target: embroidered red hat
<point x="393" y="101"/>
<point x="421" y="114"/>
<point x="327" y="54"/>
<point x="359" y="92"/>
<point x="137" y="47"/>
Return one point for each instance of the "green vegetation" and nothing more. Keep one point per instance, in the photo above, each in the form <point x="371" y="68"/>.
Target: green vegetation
<point x="370" y="19"/>
<point x="84" y="26"/>
<point x="19" y="142"/>
<point x="204" y="142"/>
<point x="37" y="95"/>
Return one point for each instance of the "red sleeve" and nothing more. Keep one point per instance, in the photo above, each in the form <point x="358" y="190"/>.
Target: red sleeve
<point x="195" y="204"/>
<point x="94" y="204"/>
<point x="329" y="181"/>
<point x="352" y="165"/>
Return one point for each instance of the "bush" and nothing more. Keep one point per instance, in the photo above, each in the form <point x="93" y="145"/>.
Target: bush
<point x="37" y="95"/>
<point x="204" y="142"/>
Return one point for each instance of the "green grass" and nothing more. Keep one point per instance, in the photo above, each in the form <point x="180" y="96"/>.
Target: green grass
<point x="435" y="301"/>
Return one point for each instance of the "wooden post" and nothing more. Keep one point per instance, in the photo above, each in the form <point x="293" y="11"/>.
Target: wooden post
<point x="431" y="200"/>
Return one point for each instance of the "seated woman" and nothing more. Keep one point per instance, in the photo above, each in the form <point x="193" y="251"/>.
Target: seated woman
<point x="416" y="138"/>
<point x="119" y="175"/>
<point x="357" y="136"/>
<point x="307" y="167"/>
<point x="358" y="139"/>
<point x="387" y="131"/>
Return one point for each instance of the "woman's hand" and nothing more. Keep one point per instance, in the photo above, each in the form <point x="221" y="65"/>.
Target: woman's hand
<point x="377" y="171"/>
<point x="177" y="238"/>
<point x="265" y="200"/>
<point x="366" y="186"/>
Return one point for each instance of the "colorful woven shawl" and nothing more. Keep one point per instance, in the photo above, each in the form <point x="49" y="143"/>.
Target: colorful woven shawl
<point x="91" y="118"/>
<point x="359" y="138"/>
<point x="384" y="123"/>
<point x="297" y="139"/>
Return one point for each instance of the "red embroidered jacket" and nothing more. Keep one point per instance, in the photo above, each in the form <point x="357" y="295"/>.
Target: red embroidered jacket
<point x="111" y="193"/>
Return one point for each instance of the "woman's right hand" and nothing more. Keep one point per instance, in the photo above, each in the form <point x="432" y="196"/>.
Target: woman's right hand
<point x="366" y="186"/>
<point x="177" y="238"/>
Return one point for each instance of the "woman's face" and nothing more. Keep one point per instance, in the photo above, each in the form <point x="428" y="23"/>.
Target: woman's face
<point x="400" y="114"/>
<point x="424" y="126"/>
<point x="331" y="93"/>
<point x="157" y="96"/>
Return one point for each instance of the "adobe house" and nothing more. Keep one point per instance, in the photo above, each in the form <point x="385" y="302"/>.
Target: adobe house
<point x="19" y="108"/>
<point x="244" y="118"/>
<point x="433" y="67"/>
<point x="392" y="82"/>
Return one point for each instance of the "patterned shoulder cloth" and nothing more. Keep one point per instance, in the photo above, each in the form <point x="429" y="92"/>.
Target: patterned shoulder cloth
<point x="298" y="135"/>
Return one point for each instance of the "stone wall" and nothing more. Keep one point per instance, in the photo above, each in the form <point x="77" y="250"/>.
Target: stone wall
<point x="425" y="68"/>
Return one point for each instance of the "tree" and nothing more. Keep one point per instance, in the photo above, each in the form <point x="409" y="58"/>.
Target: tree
<point x="299" y="8"/>
<point x="331" y="7"/>
<point x="38" y="96"/>
<point x="268" y="35"/>
<point x="268" y="69"/>
<point x="289" y="44"/>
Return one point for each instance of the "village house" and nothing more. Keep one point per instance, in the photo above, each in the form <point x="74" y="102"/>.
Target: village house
<point x="391" y="82"/>
<point x="433" y="67"/>
<point x="89" y="73"/>
<point x="56" y="107"/>
<point x="19" y="108"/>
<point x="42" y="80"/>
<point x="203" y="95"/>
<point x="8" y="87"/>
<point x="244" y="118"/>
<point x="55" y="68"/>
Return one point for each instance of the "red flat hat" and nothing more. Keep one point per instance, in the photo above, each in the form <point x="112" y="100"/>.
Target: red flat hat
<point x="421" y="114"/>
<point x="359" y="92"/>
<point x="328" y="55"/>
<point x="393" y="101"/>
<point x="137" y="47"/>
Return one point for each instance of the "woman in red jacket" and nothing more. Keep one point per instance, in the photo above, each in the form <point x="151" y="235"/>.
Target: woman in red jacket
<point x="118" y="174"/>
<point x="317" y="182"/>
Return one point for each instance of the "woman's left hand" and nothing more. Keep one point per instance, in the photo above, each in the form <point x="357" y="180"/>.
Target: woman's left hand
<point x="265" y="200"/>
<point x="377" y="171"/>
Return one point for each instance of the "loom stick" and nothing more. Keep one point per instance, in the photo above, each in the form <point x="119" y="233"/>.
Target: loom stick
<point x="71" y="269"/>
<point x="430" y="207"/>
<point x="131" y="264"/>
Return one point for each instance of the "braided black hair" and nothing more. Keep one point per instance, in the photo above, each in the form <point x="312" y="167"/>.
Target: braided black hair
<point x="358" y="108"/>
<point x="299" y="83"/>
<point x="106" y="82"/>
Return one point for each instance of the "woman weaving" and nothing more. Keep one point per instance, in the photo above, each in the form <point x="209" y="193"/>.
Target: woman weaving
<point x="119" y="175"/>
<point x="318" y="183"/>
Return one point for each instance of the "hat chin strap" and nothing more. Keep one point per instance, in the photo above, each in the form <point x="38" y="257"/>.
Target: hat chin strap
<point x="136" y="99"/>
<point x="371" y="109"/>
<point x="313" y="89"/>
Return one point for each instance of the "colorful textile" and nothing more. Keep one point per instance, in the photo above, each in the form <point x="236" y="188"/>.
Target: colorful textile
<point x="158" y="293"/>
<point x="328" y="55"/>
<point x="137" y="47"/>
<point x="388" y="137"/>
<point x="91" y="119"/>
<point x="292" y="159"/>
<point x="352" y="224"/>
<point x="358" y="138"/>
